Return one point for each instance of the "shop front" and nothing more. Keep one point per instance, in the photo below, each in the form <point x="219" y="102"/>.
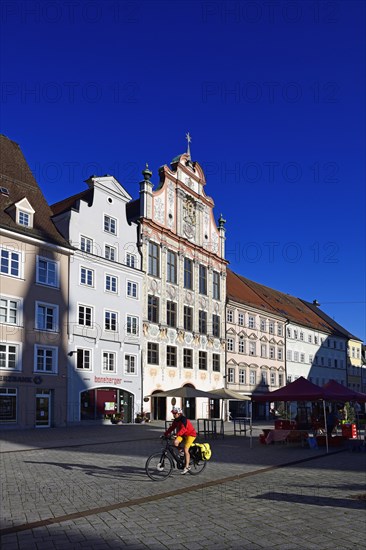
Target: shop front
<point x="107" y="403"/>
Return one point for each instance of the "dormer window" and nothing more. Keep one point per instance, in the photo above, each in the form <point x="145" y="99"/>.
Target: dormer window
<point x="24" y="218"/>
<point x="24" y="213"/>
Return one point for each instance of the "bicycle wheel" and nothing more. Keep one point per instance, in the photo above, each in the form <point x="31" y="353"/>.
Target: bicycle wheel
<point x="159" y="466"/>
<point x="197" y="466"/>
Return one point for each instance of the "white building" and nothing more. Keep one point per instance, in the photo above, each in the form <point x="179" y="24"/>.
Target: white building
<point x="104" y="326"/>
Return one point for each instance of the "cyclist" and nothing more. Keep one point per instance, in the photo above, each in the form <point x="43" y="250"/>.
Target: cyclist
<point x="185" y="433"/>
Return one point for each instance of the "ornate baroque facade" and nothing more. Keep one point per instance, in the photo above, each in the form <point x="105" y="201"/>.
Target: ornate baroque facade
<point x="183" y="254"/>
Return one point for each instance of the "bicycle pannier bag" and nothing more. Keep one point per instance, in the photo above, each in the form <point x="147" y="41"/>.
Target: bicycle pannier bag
<point x="204" y="450"/>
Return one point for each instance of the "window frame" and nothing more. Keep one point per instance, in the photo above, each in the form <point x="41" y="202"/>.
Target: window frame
<point x="188" y="274"/>
<point x="48" y="262"/>
<point x="153" y="307"/>
<point x="55" y="316"/>
<point x="153" y="267"/>
<point x="108" y="222"/>
<point x="152" y="353"/>
<point x="171" y="267"/>
<point x="5" y="355"/>
<point x="9" y="260"/>
<point x="54" y="350"/>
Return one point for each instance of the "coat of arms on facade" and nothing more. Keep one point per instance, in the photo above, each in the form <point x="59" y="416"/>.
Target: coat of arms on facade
<point x="189" y="211"/>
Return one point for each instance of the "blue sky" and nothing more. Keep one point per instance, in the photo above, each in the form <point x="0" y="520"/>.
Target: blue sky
<point x="271" y="92"/>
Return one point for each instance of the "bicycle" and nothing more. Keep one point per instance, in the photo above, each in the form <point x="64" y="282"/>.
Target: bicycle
<point x="159" y="466"/>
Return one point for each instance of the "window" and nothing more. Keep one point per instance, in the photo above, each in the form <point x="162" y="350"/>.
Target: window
<point x="280" y="379"/>
<point x="309" y="338"/>
<point x="187" y="358"/>
<point x="130" y="364"/>
<point x="109" y="361"/>
<point x="24" y="218"/>
<point x="86" y="244"/>
<point x="302" y="357"/>
<point x="132" y="289"/>
<point x="111" y="283"/>
<point x="9" y="311"/>
<point x="263" y="325"/>
<point x="252" y="378"/>
<point x="295" y="334"/>
<point x="216" y="362"/>
<point x="315" y="339"/>
<point x="335" y="363"/>
<point x="241" y="344"/>
<point x="216" y="326"/>
<point x="231" y="375"/>
<point x="45" y="359"/>
<point x="289" y="333"/>
<point x="241" y="319"/>
<point x="130" y="259"/>
<point x="302" y="336"/>
<point x="202" y="279"/>
<point x="47" y="273"/>
<point x="110" y="225"/>
<point x="171" y="314"/>
<point x="10" y="263"/>
<point x="171" y="356"/>
<point x="188" y="318"/>
<point x="110" y="320"/>
<point x="311" y="359"/>
<point x="152" y="353"/>
<point x="215" y="285"/>
<point x="153" y="268"/>
<point x="263" y="350"/>
<point x="279" y="330"/>
<point x="83" y="359"/>
<point x="264" y="378"/>
<point x="273" y="379"/>
<point x="171" y="267"/>
<point x="202" y="322"/>
<point x="9" y="356"/>
<point x="110" y="253"/>
<point x="272" y="352"/>
<point x="153" y="309"/>
<point x="252" y="348"/>
<point x="230" y="344"/>
<point x="251" y="323"/>
<point x="86" y="276"/>
<point x="296" y="356"/>
<point x="335" y="343"/>
<point x="279" y="354"/>
<point x="242" y="376"/>
<point x="230" y="316"/>
<point x="46" y="316"/>
<point x="329" y="362"/>
<point x="271" y="327"/>
<point x="132" y="325"/>
<point x="8" y="405"/>
<point x="289" y="355"/>
<point x="202" y="360"/>
<point x="188" y="273"/>
<point x="85" y="316"/>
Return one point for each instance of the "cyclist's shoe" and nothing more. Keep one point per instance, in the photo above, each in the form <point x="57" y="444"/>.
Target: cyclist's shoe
<point x="185" y="471"/>
<point x="160" y="467"/>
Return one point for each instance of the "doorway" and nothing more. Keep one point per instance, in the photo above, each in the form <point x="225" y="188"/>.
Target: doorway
<point x="43" y="410"/>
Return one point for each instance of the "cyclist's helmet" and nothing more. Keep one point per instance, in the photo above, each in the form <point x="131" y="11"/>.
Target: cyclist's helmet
<point x="176" y="410"/>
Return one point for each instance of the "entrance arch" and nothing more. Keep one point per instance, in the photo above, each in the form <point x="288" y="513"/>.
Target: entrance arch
<point x="101" y="403"/>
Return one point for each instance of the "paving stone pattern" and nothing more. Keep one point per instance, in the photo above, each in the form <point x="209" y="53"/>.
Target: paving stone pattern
<point x="276" y="497"/>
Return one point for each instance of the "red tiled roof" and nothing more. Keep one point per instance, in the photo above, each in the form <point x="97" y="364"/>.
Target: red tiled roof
<point x="244" y="290"/>
<point x="17" y="178"/>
